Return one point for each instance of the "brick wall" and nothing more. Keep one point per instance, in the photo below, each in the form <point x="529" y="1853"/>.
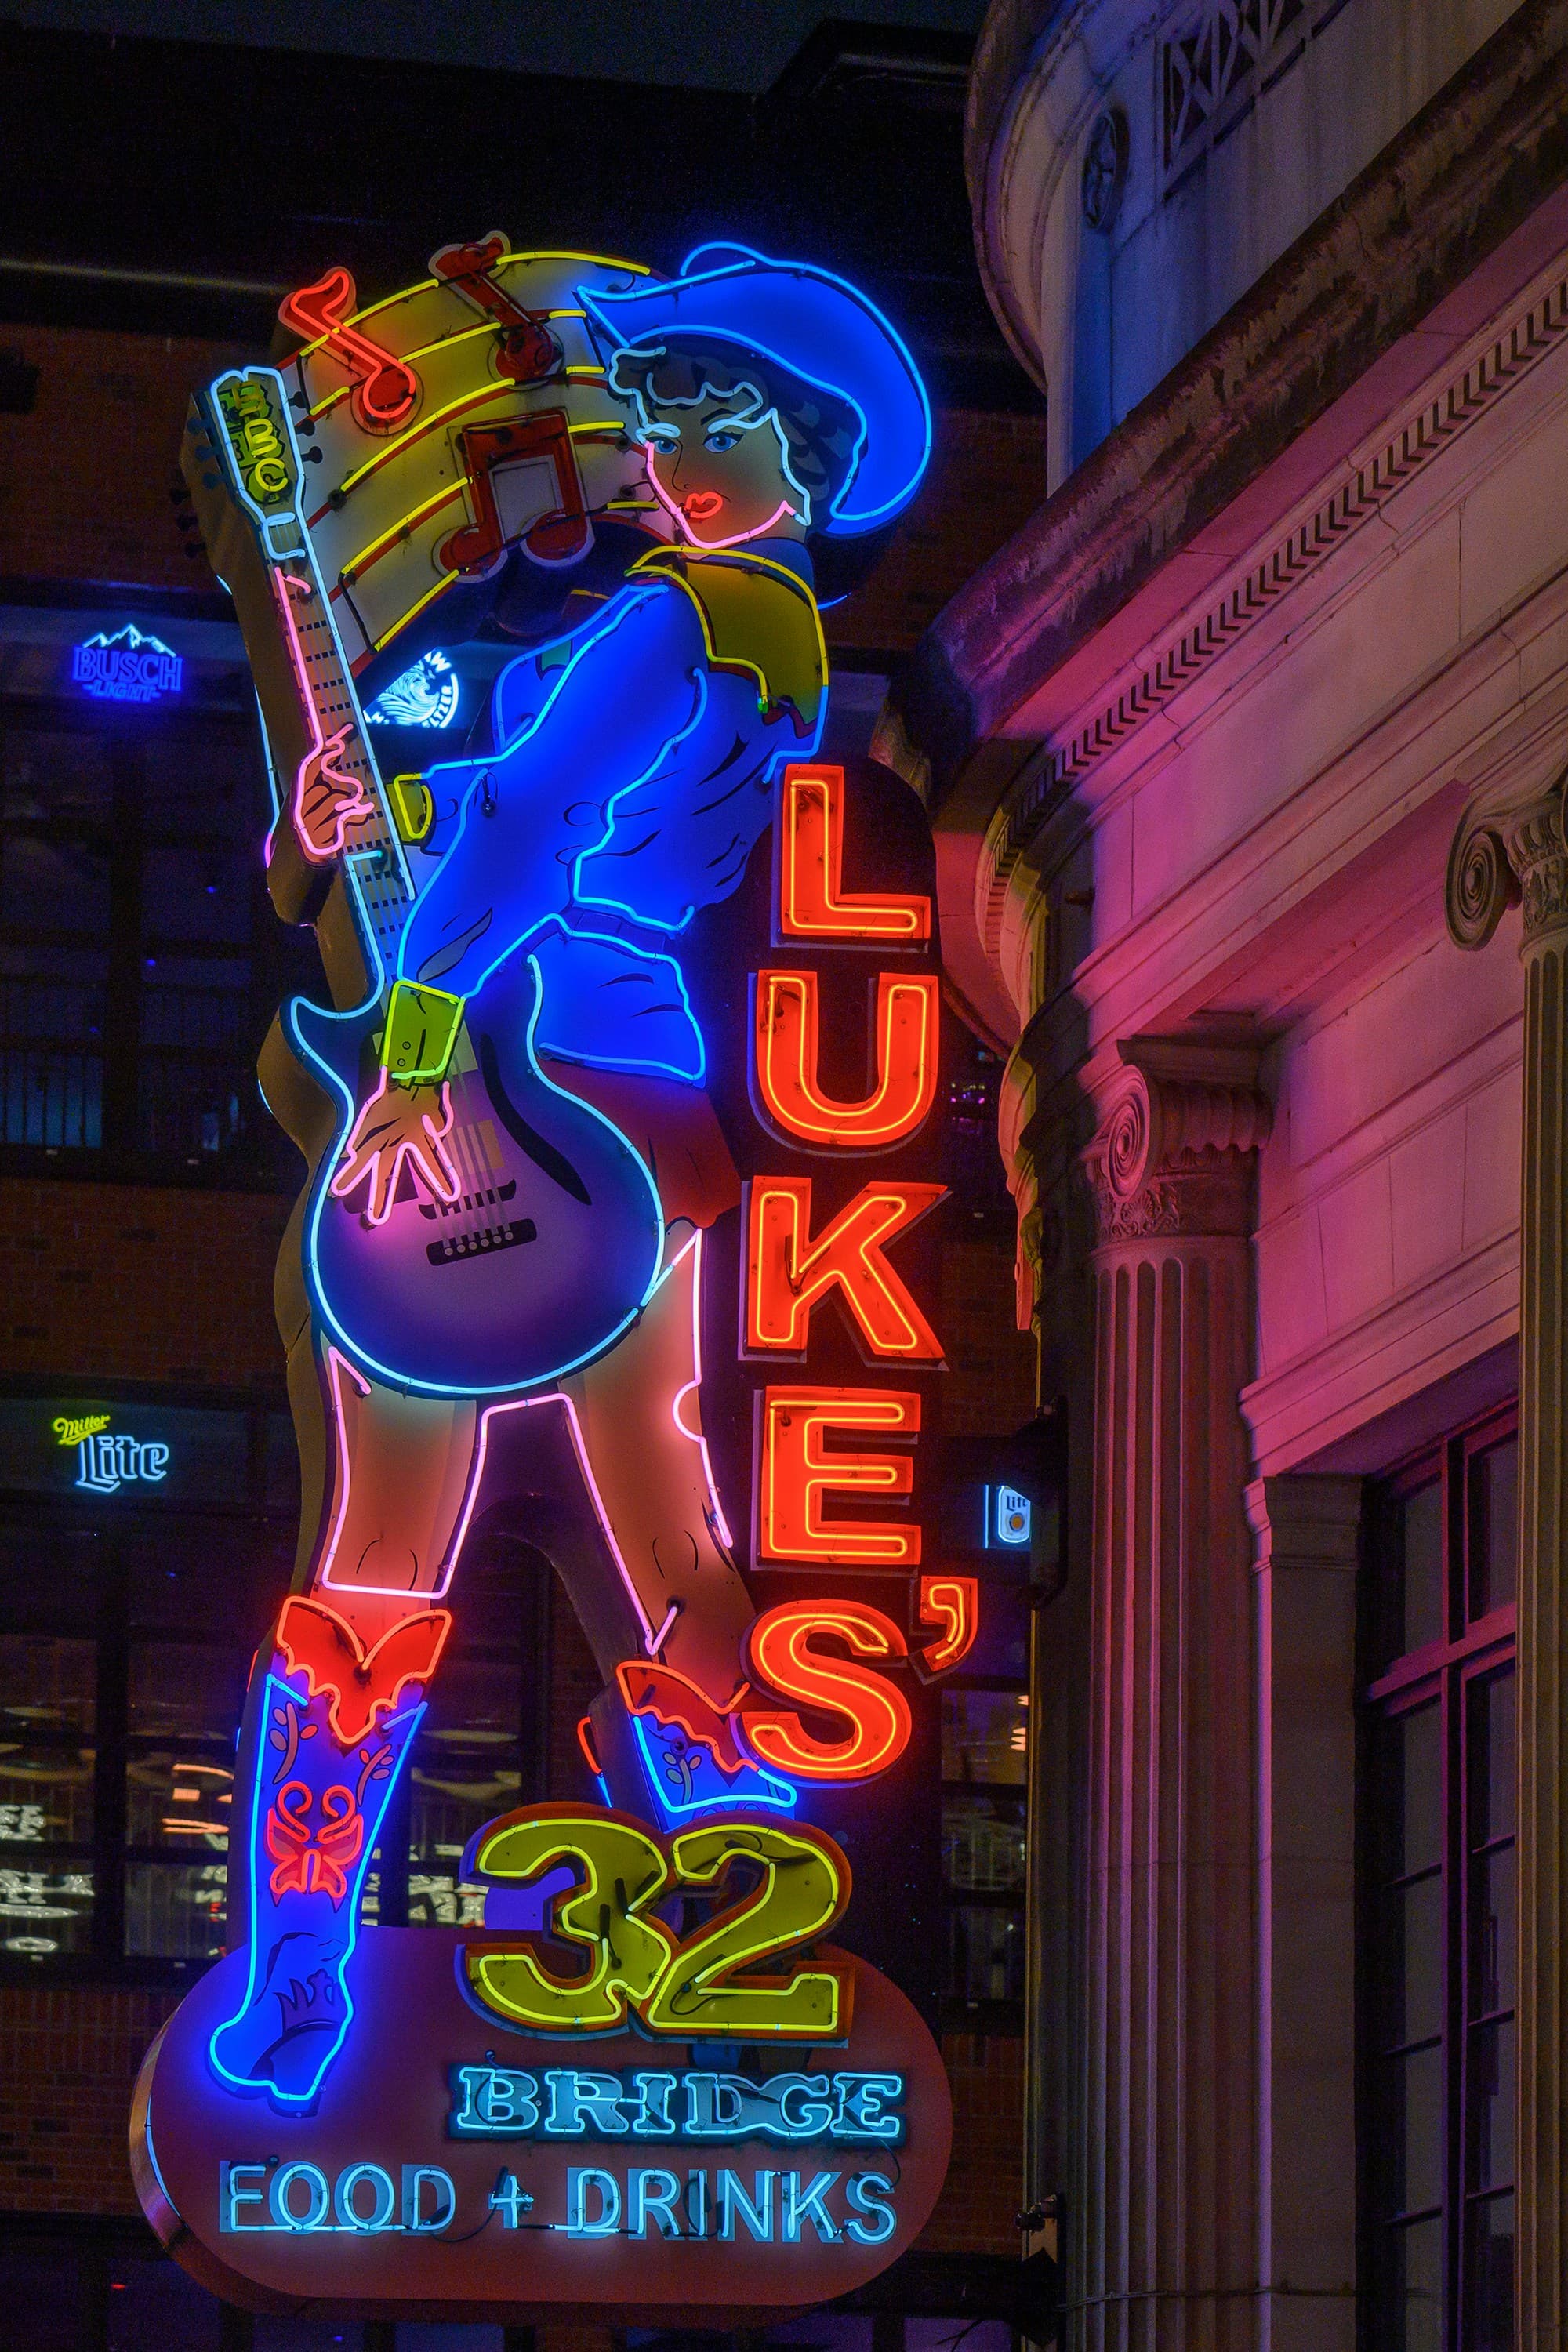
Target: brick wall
<point x="984" y="2185"/>
<point x="130" y="1282"/>
<point x="68" y="2062"/>
<point x="990" y="1386"/>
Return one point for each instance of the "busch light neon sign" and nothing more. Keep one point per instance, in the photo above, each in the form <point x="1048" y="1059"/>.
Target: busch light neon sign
<point x="127" y="668"/>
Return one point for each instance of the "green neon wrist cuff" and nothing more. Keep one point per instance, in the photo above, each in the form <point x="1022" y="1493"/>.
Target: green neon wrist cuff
<point x="422" y="1026"/>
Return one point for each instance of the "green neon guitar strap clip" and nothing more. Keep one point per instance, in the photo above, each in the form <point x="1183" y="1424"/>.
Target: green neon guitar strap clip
<point x="422" y="1026"/>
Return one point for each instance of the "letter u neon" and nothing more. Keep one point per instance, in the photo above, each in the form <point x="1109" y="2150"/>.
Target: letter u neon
<point x="786" y="1024"/>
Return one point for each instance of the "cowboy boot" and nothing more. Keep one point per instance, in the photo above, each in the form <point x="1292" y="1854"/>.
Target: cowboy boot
<point x="326" y="1729"/>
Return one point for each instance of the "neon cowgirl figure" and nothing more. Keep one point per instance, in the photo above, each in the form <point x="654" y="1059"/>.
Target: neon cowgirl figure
<point x="631" y="775"/>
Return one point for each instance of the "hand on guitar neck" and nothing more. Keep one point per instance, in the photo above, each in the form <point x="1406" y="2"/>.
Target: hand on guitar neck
<point x="397" y="1123"/>
<point x="329" y="799"/>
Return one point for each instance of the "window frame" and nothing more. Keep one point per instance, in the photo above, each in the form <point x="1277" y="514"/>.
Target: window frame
<point x="1444" y="1671"/>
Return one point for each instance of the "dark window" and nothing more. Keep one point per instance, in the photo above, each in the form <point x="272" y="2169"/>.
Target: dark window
<point x="140" y="960"/>
<point x="985" y="1799"/>
<point x="1437" y="1899"/>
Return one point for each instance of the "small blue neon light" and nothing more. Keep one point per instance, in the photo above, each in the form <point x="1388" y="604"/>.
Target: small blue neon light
<point x="127" y="668"/>
<point x="1009" y="1517"/>
<point x="426" y="696"/>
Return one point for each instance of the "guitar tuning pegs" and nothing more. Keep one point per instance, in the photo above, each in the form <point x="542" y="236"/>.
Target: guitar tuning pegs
<point x="312" y="456"/>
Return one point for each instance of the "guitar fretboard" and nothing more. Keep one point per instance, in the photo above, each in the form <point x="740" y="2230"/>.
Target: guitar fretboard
<point x="375" y="851"/>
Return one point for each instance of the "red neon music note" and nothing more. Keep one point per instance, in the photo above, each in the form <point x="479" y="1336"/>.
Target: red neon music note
<point x="525" y="481"/>
<point x="529" y="352"/>
<point x="386" y="388"/>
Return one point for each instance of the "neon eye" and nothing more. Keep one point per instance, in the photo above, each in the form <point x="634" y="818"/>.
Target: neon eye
<point x="719" y="442"/>
<point x="662" y="437"/>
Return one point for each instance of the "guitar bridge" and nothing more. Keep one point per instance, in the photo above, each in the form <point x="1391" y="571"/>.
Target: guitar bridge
<point x="455" y="1247"/>
<point x="466" y="1201"/>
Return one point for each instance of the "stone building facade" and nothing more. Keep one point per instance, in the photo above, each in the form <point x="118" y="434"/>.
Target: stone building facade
<point x="1232" y="751"/>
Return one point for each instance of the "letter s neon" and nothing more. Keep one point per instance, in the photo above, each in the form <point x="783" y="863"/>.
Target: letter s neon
<point x="781" y="1654"/>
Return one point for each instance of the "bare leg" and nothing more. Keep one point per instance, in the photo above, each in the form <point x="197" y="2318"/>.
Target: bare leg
<point x="638" y="1410"/>
<point x="402" y="1470"/>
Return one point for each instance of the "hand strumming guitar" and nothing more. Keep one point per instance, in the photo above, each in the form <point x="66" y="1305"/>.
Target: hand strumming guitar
<point x="398" y="1122"/>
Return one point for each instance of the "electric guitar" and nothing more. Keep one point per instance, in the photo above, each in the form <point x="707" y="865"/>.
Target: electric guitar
<point x="553" y="1242"/>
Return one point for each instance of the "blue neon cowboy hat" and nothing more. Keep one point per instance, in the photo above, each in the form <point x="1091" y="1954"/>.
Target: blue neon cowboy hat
<point x="818" y="328"/>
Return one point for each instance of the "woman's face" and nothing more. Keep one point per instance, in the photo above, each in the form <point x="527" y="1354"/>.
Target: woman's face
<point x="721" y="476"/>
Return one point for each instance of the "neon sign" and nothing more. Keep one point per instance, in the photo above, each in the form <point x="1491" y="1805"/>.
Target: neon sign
<point x="127" y="667"/>
<point x="527" y="1140"/>
<point x="645" y="2104"/>
<point x="1009" y="1518"/>
<point x="69" y="1429"/>
<point x="107" y="1459"/>
<point x="426" y="696"/>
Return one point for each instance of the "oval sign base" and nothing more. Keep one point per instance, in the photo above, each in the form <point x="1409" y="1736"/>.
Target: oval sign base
<point x="452" y="2170"/>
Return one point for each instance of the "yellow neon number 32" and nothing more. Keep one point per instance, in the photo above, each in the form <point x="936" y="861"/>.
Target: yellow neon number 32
<point x="624" y="1870"/>
<point x="685" y="1987"/>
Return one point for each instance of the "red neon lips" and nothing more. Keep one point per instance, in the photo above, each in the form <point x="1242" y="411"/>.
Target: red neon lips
<point x="701" y="506"/>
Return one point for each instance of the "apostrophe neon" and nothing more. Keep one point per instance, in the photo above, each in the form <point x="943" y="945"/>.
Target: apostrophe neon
<point x="813" y="903"/>
<point x="795" y="1471"/>
<point x="787" y="1271"/>
<point x="781" y="1651"/>
<point x="676" y="1988"/>
<point x="953" y="1604"/>
<point x="787" y="1041"/>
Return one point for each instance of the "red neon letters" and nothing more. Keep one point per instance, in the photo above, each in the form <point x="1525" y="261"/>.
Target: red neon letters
<point x="781" y="1652"/>
<point x="812" y="904"/>
<point x="796" y="1472"/>
<point x="787" y="1271"/>
<point x="786" y="1024"/>
<point x="953" y="1604"/>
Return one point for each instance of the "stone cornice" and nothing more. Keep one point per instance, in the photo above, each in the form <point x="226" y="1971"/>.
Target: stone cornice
<point x="1468" y="171"/>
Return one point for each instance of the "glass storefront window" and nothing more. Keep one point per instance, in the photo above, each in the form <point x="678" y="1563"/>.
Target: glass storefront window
<point x="178" y="1689"/>
<point x="45" y="1912"/>
<point x="982" y="1847"/>
<point x="984" y="1771"/>
<point x="47" y="1685"/>
<point x="175" y="1911"/>
<point x="179" y="1801"/>
<point x="984" y="1737"/>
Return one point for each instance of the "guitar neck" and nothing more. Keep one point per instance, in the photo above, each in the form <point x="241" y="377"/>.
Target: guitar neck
<point x="242" y="463"/>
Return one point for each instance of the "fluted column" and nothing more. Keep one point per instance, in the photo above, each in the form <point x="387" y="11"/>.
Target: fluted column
<point x="1166" y="2205"/>
<point x="1503" y="856"/>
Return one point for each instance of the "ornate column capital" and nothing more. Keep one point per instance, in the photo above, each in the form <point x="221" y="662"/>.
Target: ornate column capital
<point x="1174" y="1151"/>
<point x="1504" y="857"/>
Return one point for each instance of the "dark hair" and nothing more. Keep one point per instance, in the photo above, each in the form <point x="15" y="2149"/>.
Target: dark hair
<point x="823" y="431"/>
